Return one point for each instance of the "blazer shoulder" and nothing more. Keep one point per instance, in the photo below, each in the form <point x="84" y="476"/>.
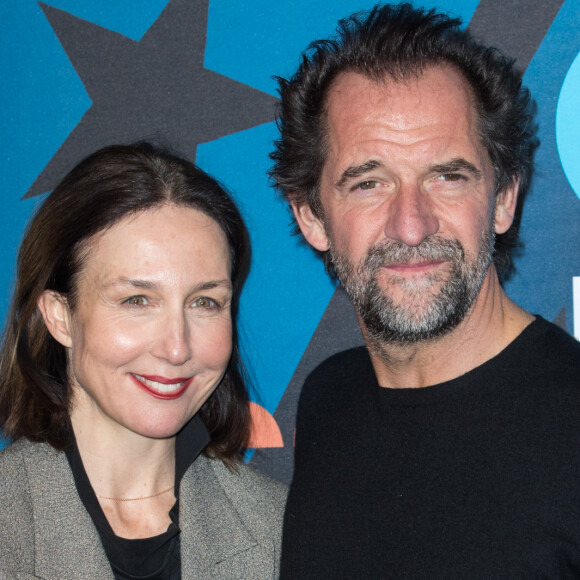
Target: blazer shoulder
<point x="14" y="475"/>
<point x="23" y="461"/>
<point x="16" y="510"/>
<point x="11" y="457"/>
<point x="258" y="498"/>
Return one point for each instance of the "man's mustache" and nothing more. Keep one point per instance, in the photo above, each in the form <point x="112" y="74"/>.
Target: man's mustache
<point x="434" y="248"/>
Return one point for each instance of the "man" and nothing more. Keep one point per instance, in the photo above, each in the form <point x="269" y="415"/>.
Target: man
<point x="450" y="447"/>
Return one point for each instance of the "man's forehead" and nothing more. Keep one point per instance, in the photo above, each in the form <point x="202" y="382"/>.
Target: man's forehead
<point x="436" y="104"/>
<point x="357" y="90"/>
<point x="426" y="119"/>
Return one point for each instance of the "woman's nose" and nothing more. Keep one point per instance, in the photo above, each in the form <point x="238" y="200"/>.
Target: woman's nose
<point x="173" y="341"/>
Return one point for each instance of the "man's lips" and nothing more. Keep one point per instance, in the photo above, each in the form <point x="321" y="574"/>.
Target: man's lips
<point x="162" y="387"/>
<point x="414" y="267"/>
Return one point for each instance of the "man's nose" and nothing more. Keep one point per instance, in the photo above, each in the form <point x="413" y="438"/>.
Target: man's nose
<point x="410" y="219"/>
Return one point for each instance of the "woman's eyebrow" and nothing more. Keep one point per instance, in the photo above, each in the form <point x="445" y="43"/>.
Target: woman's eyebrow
<point x="152" y="285"/>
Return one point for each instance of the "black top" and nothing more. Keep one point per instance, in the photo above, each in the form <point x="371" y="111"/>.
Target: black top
<point x="475" y="478"/>
<point x="156" y="558"/>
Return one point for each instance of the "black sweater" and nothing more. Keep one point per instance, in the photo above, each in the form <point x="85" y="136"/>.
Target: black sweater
<point x="476" y="478"/>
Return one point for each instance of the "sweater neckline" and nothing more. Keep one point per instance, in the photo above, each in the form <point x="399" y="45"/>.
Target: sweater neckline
<point x="466" y="384"/>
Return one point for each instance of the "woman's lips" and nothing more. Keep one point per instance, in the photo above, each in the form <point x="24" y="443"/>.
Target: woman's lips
<point x="162" y="387"/>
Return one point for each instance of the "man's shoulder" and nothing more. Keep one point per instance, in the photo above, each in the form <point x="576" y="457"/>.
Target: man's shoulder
<point x="334" y="385"/>
<point x="541" y="369"/>
<point x="341" y="368"/>
<point x="552" y="334"/>
<point x="547" y="346"/>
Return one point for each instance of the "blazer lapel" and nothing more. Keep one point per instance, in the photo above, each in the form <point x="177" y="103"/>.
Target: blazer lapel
<point x="211" y="529"/>
<point x="67" y="544"/>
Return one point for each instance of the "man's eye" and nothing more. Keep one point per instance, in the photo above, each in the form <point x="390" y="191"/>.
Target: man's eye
<point x="365" y="185"/>
<point x="205" y="302"/>
<point x="450" y="177"/>
<point x="136" y="301"/>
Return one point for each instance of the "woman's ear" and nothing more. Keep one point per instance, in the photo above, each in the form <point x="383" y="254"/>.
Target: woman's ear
<point x="505" y="207"/>
<point x="56" y="314"/>
<point x="311" y="227"/>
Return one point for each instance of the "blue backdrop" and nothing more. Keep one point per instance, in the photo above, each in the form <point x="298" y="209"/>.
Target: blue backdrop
<point x="80" y="74"/>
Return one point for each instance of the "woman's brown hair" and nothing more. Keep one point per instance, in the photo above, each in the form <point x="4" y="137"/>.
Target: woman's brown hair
<point x="101" y="190"/>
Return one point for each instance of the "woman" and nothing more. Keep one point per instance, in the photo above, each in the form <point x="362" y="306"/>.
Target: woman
<point x="119" y="366"/>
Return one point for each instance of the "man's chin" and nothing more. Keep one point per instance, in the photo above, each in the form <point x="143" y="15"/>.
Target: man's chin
<point x="399" y="322"/>
<point x="410" y="331"/>
<point x="414" y="297"/>
<point x="410" y="286"/>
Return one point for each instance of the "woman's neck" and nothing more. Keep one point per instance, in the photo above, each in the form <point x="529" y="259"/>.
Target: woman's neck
<point x="122" y="466"/>
<point x="121" y="461"/>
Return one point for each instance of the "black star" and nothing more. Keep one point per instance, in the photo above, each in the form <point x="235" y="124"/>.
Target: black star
<point x="156" y="88"/>
<point x="493" y="22"/>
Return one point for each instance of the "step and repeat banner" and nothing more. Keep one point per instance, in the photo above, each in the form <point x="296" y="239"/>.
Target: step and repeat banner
<point x="196" y="75"/>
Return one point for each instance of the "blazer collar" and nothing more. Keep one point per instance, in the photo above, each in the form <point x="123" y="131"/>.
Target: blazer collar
<point x="68" y="545"/>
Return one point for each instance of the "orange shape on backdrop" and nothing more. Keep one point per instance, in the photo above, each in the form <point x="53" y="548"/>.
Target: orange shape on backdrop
<point x="264" y="431"/>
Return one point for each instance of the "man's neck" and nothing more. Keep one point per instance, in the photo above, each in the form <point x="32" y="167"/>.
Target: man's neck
<point x="492" y="322"/>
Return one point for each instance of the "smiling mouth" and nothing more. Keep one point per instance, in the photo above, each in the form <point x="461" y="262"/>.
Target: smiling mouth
<point x="413" y="266"/>
<point x="161" y="387"/>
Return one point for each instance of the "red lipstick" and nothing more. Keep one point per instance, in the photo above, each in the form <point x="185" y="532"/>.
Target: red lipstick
<point x="162" y="387"/>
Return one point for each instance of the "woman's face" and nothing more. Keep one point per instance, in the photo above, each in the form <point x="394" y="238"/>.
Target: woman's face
<point x="151" y="333"/>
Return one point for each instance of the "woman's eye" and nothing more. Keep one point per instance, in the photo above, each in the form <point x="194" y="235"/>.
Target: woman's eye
<point x="136" y="301"/>
<point x="204" y="302"/>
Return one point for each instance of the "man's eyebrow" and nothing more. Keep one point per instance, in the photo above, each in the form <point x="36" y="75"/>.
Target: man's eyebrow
<point x="355" y="171"/>
<point x="458" y="164"/>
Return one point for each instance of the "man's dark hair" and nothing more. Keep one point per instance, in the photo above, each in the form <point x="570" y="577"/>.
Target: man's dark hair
<point x="400" y="42"/>
<point x="108" y="186"/>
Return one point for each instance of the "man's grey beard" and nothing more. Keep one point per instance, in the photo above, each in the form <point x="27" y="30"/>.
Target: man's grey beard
<point x="414" y="320"/>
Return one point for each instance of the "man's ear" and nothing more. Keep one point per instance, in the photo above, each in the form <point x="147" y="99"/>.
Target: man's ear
<point x="505" y="207"/>
<point x="311" y="227"/>
<point x="56" y="314"/>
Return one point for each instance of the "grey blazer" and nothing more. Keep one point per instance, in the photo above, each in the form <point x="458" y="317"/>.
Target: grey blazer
<point x="230" y="523"/>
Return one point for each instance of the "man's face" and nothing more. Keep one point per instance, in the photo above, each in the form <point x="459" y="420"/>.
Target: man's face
<point x="409" y="205"/>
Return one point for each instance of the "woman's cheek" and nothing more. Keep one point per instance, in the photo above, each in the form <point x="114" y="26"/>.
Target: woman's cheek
<point x="215" y="344"/>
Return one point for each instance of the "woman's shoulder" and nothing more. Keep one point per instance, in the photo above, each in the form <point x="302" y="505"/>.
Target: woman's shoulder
<point x="231" y="520"/>
<point x="16" y="508"/>
<point x="250" y="491"/>
<point x="24" y="447"/>
<point x="23" y="456"/>
<point x="21" y="463"/>
<point x="252" y="481"/>
<point x="245" y="480"/>
<point x="29" y="469"/>
<point x="12" y="463"/>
